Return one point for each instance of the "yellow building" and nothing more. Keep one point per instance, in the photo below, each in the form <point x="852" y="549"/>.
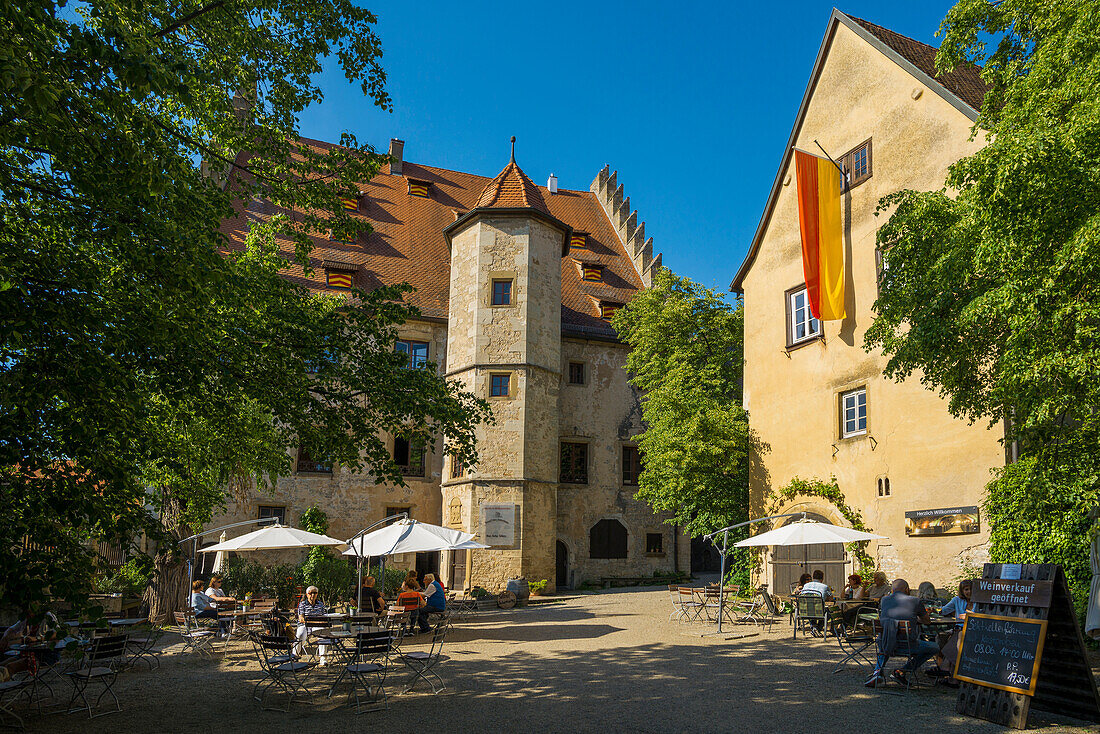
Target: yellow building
<point x="818" y="402"/>
<point x="516" y="284"/>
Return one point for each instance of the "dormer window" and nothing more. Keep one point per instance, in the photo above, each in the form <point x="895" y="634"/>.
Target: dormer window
<point x="579" y="240"/>
<point x="592" y="272"/>
<point x="419" y="188"/>
<point x="343" y="279"/>
<point x="608" y="309"/>
<point x="350" y="203"/>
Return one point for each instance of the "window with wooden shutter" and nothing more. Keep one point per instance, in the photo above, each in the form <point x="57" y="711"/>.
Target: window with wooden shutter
<point x="857" y="164"/>
<point x="632" y="465"/>
<point x="608" y="309"/>
<point x="607" y="539"/>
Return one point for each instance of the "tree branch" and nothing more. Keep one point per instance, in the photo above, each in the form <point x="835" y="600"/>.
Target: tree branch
<point x="190" y="17"/>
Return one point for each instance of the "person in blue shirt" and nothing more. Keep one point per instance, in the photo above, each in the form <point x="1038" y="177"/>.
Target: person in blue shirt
<point x="949" y="647"/>
<point x="437" y="602"/>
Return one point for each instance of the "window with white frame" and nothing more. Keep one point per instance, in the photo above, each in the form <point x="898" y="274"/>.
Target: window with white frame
<point x="853" y="413"/>
<point x="801" y="324"/>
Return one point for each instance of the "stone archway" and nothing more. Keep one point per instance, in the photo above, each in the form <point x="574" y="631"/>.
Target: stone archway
<point x="790" y="562"/>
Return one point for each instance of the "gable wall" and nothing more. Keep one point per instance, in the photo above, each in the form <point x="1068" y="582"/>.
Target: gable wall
<point x="932" y="460"/>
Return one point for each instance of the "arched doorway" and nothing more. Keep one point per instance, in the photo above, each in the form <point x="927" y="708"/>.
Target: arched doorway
<point x="791" y="561"/>
<point x="561" y="566"/>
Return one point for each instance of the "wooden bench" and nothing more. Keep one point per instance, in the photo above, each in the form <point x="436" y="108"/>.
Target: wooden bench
<point x="610" y="581"/>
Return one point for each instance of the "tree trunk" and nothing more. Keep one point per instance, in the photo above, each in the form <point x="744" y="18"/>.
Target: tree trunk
<point x="168" y="591"/>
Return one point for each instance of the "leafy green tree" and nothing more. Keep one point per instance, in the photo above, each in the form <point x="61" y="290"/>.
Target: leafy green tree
<point x="147" y="364"/>
<point x="991" y="289"/>
<point x="686" y="357"/>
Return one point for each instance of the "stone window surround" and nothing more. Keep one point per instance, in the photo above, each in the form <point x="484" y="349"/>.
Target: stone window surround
<point x="497" y="275"/>
<point x="788" y="328"/>
<point x="510" y="395"/>
<point x="622" y="463"/>
<point x="659" y="553"/>
<point x="841" y="393"/>
<point x="569" y="373"/>
<point x="587" y="443"/>
<point x="885" y="491"/>
<point x="511" y="292"/>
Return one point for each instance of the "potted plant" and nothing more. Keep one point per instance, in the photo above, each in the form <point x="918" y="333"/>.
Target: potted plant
<point x="537" y="587"/>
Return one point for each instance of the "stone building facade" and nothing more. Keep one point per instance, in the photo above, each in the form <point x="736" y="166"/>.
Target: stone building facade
<point x="817" y="401"/>
<point x="516" y="284"/>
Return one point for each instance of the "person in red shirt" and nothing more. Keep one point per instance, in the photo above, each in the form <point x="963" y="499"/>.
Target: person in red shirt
<point x="410" y="597"/>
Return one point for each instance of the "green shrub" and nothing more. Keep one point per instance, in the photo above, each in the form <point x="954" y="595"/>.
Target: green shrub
<point x="478" y="592"/>
<point x="241" y="577"/>
<point x="333" y="577"/>
<point x="537" y="586"/>
<point x="392" y="580"/>
<point x="130" y="579"/>
<point x="282" y="580"/>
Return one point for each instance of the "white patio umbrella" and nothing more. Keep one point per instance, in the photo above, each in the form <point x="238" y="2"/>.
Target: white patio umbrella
<point x="407" y="536"/>
<point x="271" y="537"/>
<point x="807" y="532"/>
<point x="410" y="536"/>
<point x="222" y="557"/>
<point x="1092" y="612"/>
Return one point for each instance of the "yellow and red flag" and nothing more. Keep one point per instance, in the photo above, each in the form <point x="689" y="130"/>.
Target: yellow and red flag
<point x="819" y="187"/>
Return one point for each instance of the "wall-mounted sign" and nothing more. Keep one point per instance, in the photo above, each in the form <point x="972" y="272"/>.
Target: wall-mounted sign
<point x="498" y="525"/>
<point x="946" y="521"/>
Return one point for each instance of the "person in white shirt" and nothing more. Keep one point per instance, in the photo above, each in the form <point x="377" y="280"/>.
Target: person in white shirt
<point x="220" y="598"/>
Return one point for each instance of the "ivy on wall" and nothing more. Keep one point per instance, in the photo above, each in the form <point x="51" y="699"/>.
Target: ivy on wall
<point x="830" y="491"/>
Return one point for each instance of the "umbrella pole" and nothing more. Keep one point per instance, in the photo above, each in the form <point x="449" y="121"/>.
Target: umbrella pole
<point x="722" y="580"/>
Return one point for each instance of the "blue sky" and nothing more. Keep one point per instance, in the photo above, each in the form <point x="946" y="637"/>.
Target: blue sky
<point x="691" y="103"/>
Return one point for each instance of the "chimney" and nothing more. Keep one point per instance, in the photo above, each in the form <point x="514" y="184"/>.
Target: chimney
<point x="397" y="150"/>
<point x="552" y="184"/>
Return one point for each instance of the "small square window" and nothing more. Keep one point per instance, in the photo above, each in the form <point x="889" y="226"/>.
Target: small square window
<point x="857" y="164"/>
<point x="853" y="413"/>
<point x="310" y="465"/>
<point x="457" y="469"/>
<point x="419" y="188"/>
<point x="498" y="387"/>
<point x="279" y="513"/>
<point x="801" y="324"/>
<point x="655" y="543"/>
<point x="576" y="373"/>
<point x="578" y="241"/>
<point x="502" y="293"/>
<point x="592" y="273"/>
<point x="417" y="351"/>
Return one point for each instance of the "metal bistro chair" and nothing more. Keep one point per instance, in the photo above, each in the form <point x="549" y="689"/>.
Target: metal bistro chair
<point x="14" y="688"/>
<point x="853" y="643"/>
<point x="369" y="658"/>
<point x="102" y="661"/>
<point x="281" y="667"/>
<point x="809" y="615"/>
<point x="423" y="662"/>
<point x="691" y="605"/>
<point x="142" y="645"/>
<point x="325" y="647"/>
<point x="198" y="640"/>
<point x="677" y="605"/>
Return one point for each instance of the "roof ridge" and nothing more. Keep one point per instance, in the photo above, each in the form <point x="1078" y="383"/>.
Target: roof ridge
<point x="868" y="24"/>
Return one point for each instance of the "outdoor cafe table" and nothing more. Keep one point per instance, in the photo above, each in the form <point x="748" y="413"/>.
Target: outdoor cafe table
<point x="937" y="622"/>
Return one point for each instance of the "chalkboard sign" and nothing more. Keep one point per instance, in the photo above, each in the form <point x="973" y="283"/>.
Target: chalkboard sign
<point x="1001" y="652"/>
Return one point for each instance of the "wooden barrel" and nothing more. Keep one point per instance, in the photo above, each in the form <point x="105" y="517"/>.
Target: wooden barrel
<point x="519" y="588"/>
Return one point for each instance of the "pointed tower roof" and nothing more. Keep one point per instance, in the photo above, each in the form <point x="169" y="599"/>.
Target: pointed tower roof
<point x="511" y="189"/>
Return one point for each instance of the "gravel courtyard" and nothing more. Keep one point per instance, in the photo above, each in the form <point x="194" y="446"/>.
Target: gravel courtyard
<point x="585" y="663"/>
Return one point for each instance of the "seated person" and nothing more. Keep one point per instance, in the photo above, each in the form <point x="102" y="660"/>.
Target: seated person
<point x="900" y="607"/>
<point x="410" y="597"/>
<point x="309" y="606"/>
<point x="818" y="586"/>
<point x="949" y="645"/>
<point x="220" y="599"/>
<point x="802" y="581"/>
<point x="926" y="591"/>
<point x="854" y="589"/>
<point x="202" y="604"/>
<point x="436" y="602"/>
<point x="880" y="587"/>
<point x="372" y="600"/>
<point x="31" y="628"/>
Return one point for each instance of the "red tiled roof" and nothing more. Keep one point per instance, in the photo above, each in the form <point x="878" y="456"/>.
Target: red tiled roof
<point x="965" y="82"/>
<point x="407" y="245"/>
<point x="511" y="189"/>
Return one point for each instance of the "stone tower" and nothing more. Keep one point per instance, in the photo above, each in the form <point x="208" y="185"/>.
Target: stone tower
<point x="504" y="344"/>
